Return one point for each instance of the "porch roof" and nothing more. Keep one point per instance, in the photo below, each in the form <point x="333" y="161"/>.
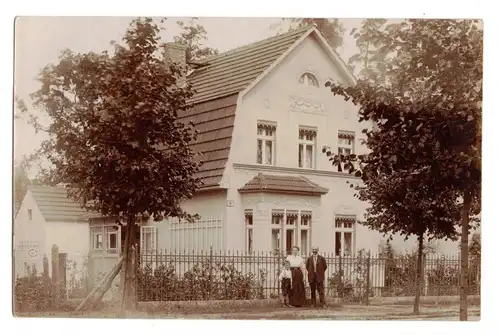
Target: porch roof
<point x="264" y="183"/>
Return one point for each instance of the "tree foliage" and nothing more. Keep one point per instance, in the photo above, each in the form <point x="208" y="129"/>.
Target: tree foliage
<point x="114" y="137"/>
<point x="332" y="29"/>
<point x="21" y="183"/>
<point x="193" y="35"/>
<point x="426" y="118"/>
<point x="371" y="41"/>
<point x="423" y="170"/>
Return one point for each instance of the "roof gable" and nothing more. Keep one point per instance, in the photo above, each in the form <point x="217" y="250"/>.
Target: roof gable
<point x="232" y="71"/>
<point x="55" y="205"/>
<point x="223" y="78"/>
<point x="333" y="55"/>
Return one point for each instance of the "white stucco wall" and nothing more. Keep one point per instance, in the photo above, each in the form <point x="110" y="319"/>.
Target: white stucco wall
<point x="28" y="234"/>
<point x="275" y="98"/>
<point x="271" y="99"/>
<point x="72" y="238"/>
<point x="210" y="206"/>
<point x="279" y="98"/>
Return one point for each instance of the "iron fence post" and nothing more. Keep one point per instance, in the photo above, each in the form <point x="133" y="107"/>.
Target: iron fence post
<point x="367" y="293"/>
<point x="210" y="274"/>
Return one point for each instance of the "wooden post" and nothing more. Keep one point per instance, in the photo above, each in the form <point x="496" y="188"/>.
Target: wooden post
<point x="62" y="275"/>
<point x="132" y="299"/>
<point x="56" y="291"/>
<point x="45" y="266"/>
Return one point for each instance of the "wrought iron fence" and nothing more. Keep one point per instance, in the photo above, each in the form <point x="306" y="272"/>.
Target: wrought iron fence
<point x="224" y="275"/>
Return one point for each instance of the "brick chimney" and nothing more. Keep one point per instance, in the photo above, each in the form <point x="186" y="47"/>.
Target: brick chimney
<point x="176" y="53"/>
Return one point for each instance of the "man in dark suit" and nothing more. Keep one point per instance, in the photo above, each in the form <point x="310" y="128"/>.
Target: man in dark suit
<point x="316" y="267"/>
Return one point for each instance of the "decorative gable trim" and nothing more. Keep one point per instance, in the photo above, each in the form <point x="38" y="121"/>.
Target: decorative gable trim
<point x="321" y="39"/>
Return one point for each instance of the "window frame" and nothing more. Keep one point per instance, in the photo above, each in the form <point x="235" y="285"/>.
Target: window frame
<point x="304" y="143"/>
<point x="305" y="79"/>
<point x="145" y="231"/>
<point x="341" y="147"/>
<point x="343" y="224"/>
<point x="283" y="226"/>
<point x="249" y="231"/>
<point x="265" y="139"/>
<point x="105" y="231"/>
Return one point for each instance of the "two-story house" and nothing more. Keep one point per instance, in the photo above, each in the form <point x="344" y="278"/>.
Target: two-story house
<point x="264" y="114"/>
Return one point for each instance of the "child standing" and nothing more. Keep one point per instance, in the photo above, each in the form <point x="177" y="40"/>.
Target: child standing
<point x="286" y="283"/>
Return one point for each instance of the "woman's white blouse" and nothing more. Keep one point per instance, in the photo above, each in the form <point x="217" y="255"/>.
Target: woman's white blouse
<point x="295" y="261"/>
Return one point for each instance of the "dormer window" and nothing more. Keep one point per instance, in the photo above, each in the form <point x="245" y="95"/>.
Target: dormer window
<point x="309" y="80"/>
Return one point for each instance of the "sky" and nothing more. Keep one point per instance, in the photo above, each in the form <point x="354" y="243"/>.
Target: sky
<point x="40" y="40"/>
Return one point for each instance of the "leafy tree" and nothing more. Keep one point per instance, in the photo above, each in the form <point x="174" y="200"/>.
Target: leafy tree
<point x="332" y="29"/>
<point x="475" y="256"/>
<point x="475" y="245"/>
<point x="427" y="126"/>
<point x="193" y="35"/>
<point x="21" y="183"/>
<point x="115" y="139"/>
<point x="372" y="50"/>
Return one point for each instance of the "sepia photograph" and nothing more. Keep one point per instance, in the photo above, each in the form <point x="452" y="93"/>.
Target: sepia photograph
<point x="258" y="168"/>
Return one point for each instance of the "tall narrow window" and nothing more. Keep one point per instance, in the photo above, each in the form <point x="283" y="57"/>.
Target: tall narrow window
<point x="148" y="239"/>
<point x="305" y="231"/>
<point x="307" y="148"/>
<point x="309" y="80"/>
<point x="344" y="235"/>
<point x="291" y="230"/>
<point x="249" y="230"/>
<point x="346" y="143"/>
<point x="276" y="229"/>
<point x="97" y="238"/>
<point x="111" y="239"/>
<point x="30" y="214"/>
<point x="266" y="142"/>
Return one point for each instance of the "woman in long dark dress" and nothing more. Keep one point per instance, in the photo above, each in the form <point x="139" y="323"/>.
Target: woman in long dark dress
<point x="297" y="266"/>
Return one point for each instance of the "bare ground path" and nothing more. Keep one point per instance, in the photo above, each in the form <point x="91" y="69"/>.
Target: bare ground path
<point x="335" y="312"/>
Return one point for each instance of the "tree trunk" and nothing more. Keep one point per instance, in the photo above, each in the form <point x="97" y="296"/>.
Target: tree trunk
<point x="126" y="261"/>
<point x="95" y="296"/>
<point x="464" y="256"/>
<point x="418" y="277"/>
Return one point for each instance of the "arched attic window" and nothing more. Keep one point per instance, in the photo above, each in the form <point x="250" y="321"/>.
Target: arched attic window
<point x="309" y="80"/>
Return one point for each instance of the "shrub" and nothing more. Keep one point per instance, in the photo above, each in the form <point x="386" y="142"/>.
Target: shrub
<point x="77" y="279"/>
<point x="349" y="282"/>
<point x="204" y="281"/>
<point x="32" y="292"/>
<point x="444" y="278"/>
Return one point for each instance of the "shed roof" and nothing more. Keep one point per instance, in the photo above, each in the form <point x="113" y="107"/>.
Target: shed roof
<point x="263" y="183"/>
<point x="55" y="205"/>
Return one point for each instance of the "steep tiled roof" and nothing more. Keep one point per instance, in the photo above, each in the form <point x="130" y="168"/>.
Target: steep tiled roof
<point x="214" y="121"/>
<point x="282" y="184"/>
<point x="232" y="71"/>
<point x="55" y="205"/>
